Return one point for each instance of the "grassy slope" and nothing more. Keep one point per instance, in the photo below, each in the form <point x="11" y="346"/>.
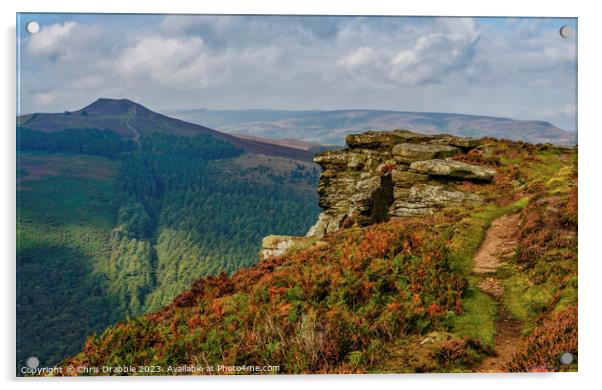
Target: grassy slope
<point x="365" y="302"/>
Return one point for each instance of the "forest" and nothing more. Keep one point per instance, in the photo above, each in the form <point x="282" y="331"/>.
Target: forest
<point x="165" y="216"/>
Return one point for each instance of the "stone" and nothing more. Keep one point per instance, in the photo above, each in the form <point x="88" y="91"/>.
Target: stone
<point x="331" y="159"/>
<point x="366" y="186"/>
<point x="460" y="142"/>
<point x="438" y="196"/>
<point x="356" y="160"/>
<point x="436" y="337"/>
<point x="327" y="223"/>
<point x="277" y="245"/>
<point x="384" y="139"/>
<point x="410" y="209"/>
<point x="406" y="179"/>
<point x="407" y="152"/>
<point x="467" y="143"/>
<point x="453" y="169"/>
<point x="401" y="193"/>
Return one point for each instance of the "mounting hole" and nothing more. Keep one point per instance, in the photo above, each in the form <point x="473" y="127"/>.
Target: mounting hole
<point x="32" y="27"/>
<point x="33" y="362"/>
<point x="566" y="31"/>
<point x="566" y="358"/>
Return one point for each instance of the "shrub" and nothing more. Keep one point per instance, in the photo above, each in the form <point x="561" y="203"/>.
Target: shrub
<point x="541" y="350"/>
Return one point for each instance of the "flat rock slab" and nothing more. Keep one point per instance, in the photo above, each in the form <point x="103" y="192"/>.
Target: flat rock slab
<point x="385" y="139"/>
<point x="455" y="169"/>
<point x="408" y="152"/>
<point x="461" y="142"/>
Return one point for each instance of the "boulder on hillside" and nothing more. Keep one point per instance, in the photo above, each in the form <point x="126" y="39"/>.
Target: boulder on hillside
<point x="276" y="245"/>
<point x="454" y="169"/>
<point x="460" y="142"/>
<point x="405" y="209"/>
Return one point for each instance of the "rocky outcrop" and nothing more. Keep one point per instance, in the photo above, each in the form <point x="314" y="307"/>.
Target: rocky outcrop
<point x="384" y="174"/>
<point x="392" y="174"/>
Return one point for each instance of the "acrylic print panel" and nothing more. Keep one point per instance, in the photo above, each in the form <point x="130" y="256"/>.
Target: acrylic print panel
<point x="209" y="194"/>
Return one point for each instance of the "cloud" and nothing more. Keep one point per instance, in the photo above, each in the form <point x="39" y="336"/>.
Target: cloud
<point x="167" y="61"/>
<point x="358" y="59"/>
<point x="493" y="67"/>
<point x="51" y="40"/>
<point x="437" y="54"/>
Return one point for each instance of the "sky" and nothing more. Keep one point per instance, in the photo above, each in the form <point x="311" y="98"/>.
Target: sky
<point x="511" y="67"/>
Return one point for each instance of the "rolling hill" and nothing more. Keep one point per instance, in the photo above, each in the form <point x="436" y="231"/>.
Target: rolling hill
<point x="132" y="120"/>
<point x="331" y="127"/>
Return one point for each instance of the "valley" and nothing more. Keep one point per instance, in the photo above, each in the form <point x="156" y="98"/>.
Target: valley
<point x="113" y="227"/>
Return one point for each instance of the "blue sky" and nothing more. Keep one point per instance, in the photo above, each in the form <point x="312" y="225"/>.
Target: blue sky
<point x="510" y="67"/>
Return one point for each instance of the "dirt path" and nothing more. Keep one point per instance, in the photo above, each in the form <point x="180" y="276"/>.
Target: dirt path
<point x="136" y="138"/>
<point x="499" y="243"/>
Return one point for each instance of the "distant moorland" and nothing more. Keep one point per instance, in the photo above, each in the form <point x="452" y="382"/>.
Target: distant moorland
<point x="331" y="127"/>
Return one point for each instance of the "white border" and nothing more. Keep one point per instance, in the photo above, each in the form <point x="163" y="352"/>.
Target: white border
<point x="589" y="180"/>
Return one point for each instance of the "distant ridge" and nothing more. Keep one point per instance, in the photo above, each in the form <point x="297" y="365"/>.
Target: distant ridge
<point x="132" y="120"/>
<point x="331" y="127"/>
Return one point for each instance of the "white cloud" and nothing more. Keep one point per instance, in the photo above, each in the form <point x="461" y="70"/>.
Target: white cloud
<point x="51" y="40"/>
<point x="435" y="55"/>
<point x="358" y="59"/>
<point x="168" y="61"/>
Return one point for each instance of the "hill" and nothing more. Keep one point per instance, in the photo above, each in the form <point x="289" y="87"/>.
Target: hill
<point x="112" y="226"/>
<point x="331" y="127"/>
<point x="131" y="120"/>
<point x="389" y="280"/>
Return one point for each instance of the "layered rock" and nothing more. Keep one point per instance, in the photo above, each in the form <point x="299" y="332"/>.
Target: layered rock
<point x="392" y="174"/>
<point x="455" y="169"/>
<point x="406" y="153"/>
<point x="382" y="175"/>
<point x="277" y="245"/>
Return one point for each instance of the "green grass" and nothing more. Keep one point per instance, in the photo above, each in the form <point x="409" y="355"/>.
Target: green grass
<point x="478" y="320"/>
<point x="555" y="164"/>
<point x="526" y="300"/>
<point x="515" y="286"/>
<point x="479" y="316"/>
